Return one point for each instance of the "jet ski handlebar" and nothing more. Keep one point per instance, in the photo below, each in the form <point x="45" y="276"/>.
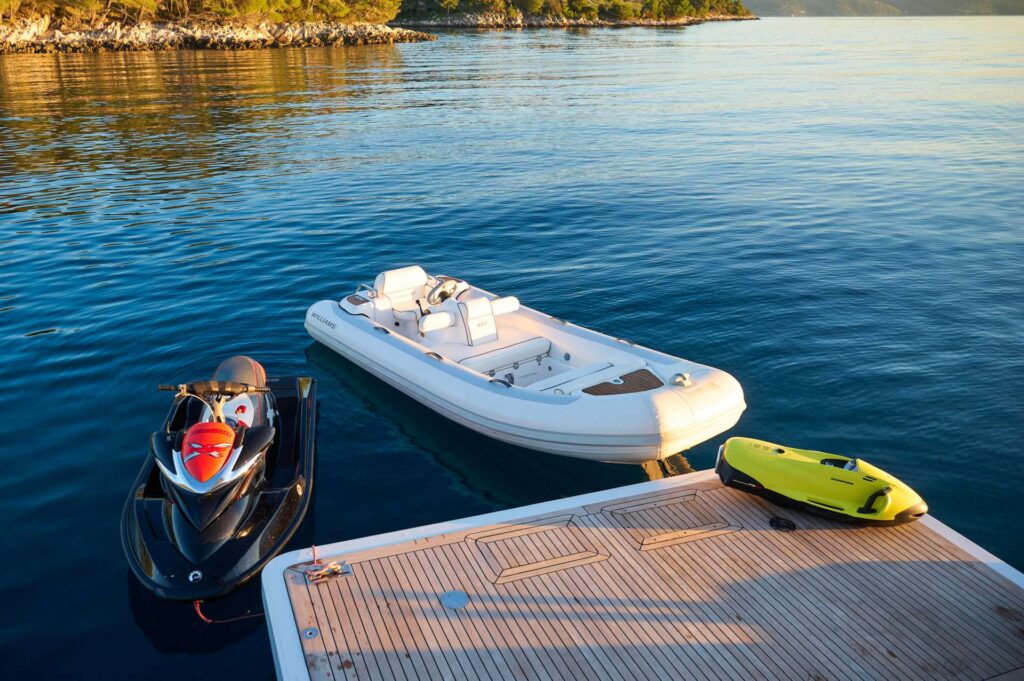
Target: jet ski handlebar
<point x="218" y="387"/>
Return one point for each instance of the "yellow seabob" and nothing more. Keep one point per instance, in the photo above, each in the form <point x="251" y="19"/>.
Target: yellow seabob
<point x="831" y="485"/>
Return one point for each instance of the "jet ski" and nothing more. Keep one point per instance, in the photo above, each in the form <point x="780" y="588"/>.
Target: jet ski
<point x="226" y="482"/>
<point x="524" y="377"/>
<point x="829" y="485"/>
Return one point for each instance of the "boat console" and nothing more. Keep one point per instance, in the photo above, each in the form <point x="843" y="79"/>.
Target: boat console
<point x="463" y="326"/>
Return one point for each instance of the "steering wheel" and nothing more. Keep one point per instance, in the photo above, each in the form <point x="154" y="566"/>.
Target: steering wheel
<point x="442" y="291"/>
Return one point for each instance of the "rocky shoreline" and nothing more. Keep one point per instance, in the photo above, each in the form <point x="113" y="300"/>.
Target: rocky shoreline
<point x="517" y="20"/>
<point x="43" y="35"/>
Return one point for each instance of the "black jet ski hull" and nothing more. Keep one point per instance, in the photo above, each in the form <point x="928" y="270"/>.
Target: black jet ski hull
<point x="157" y="539"/>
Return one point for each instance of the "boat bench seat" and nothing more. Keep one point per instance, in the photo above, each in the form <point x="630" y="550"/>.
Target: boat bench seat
<point x="570" y="381"/>
<point x="499" y="358"/>
<point x="561" y="379"/>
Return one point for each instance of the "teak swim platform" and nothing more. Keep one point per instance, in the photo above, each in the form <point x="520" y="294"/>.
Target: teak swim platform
<point x="679" y="578"/>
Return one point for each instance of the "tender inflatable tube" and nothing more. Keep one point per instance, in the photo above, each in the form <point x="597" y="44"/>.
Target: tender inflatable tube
<point x="627" y="428"/>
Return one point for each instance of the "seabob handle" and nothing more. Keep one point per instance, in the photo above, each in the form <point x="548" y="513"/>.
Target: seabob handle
<point x="870" y="503"/>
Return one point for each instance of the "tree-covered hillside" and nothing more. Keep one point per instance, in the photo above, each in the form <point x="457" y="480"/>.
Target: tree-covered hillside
<point x="91" y="12"/>
<point x="615" y="10"/>
<point x="372" y="11"/>
<point x="883" y="7"/>
<point x="87" y="11"/>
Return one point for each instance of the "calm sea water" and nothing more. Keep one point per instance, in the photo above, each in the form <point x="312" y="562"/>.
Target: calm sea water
<point x="828" y="209"/>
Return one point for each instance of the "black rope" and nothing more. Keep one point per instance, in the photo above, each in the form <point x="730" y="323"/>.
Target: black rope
<point x="781" y="524"/>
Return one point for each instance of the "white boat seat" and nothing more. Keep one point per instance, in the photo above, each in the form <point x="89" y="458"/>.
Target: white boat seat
<point x="478" y="318"/>
<point x="436" y="321"/>
<point x="568" y="376"/>
<point x="477" y="314"/>
<point x="409" y="316"/>
<point x="402" y="287"/>
<point x="458" y="351"/>
<point x="504" y="305"/>
<point x="524" y="351"/>
<point x="602" y="372"/>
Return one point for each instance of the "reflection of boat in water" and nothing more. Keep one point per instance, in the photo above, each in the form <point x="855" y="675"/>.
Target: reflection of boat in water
<point x="524" y="377"/>
<point x="666" y="468"/>
<point x="500" y="473"/>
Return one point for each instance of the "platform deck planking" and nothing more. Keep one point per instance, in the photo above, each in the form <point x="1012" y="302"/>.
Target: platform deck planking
<point x="677" y="578"/>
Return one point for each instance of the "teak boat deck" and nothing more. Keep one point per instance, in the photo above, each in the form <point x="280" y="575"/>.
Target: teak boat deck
<point x="673" y="579"/>
<point x="637" y="381"/>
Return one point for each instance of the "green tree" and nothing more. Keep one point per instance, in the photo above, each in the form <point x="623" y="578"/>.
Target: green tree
<point x="620" y="10"/>
<point x="652" y="9"/>
<point x="140" y="8"/>
<point x="83" y="9"/>
<point x="10" y="8"/>
<point x="679" y="8"/>
<point x="582" y="9"/>
<point x="528" y="6"/>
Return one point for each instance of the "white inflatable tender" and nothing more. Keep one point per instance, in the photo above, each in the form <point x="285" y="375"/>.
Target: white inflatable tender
<point x="524" y="377"/>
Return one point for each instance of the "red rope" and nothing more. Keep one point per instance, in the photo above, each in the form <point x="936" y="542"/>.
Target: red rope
<point x="199" y="611"/>
<point x="197" y="604"/>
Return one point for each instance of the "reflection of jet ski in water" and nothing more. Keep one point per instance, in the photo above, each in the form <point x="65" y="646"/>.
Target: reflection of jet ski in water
<point x="226" y="483"/>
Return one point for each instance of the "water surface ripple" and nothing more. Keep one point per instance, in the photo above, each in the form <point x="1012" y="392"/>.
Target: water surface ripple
<point x="829" y="209"/>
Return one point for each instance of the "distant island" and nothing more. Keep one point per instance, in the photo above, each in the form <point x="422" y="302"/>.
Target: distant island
<point x="120" y="25"/>
<point x="876" y="8"/>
